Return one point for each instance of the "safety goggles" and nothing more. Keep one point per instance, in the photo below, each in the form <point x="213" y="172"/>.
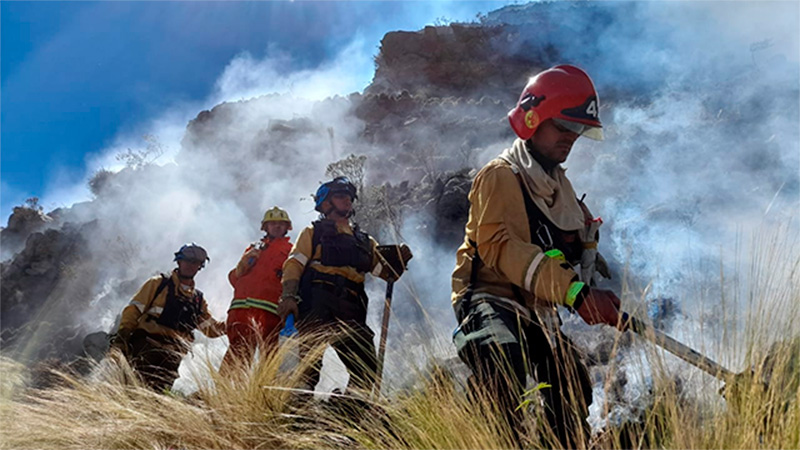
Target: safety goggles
<point x="589" y="131"/>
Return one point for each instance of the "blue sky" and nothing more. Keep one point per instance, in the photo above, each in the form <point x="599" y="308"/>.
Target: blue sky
<point x="78" y="75"/>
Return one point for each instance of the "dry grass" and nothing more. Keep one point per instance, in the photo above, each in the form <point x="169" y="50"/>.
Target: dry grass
<point x="256" y="408"/>
<point x="253" y="412"/>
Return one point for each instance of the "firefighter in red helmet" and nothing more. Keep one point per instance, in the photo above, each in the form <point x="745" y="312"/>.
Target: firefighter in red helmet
<point x="530" y="246"/>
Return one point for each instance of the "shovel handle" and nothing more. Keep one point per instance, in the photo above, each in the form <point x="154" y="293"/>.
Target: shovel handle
<point x="387" y="311"/>
<point x="669" y="344"/>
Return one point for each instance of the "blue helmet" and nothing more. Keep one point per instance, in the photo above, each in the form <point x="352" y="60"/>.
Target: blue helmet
<point x="335" y="186"/>
<point x="192" y="252"/>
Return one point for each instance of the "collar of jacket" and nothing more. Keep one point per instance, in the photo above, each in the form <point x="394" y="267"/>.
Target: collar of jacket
<point x="180" y="283"/>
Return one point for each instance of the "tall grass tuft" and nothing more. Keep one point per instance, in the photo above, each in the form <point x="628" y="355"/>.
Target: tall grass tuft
<point x="256" y="406"/>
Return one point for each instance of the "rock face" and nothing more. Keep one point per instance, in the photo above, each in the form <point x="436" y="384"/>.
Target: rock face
<point x="455" y="60"/>
<point x="22" y="222"/>
<point x="495" y="56"/>
<point x="39" y="293"/>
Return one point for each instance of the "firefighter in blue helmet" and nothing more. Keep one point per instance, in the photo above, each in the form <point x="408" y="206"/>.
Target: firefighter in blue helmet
<point x="156" y="328"/>
<point x="323" y="283"/>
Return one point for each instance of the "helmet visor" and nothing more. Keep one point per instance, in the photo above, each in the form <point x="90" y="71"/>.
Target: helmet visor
<point x="589" y="131"/>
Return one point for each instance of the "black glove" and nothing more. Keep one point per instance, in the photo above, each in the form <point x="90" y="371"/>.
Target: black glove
<point x="395" y="260"/>
<point x="120" y="341"/>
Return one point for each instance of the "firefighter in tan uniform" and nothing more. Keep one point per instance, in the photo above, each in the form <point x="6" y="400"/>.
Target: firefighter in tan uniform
<point x="156" y="327"/>
<point x="530" y="246"/>
<point x="323" y="283"/>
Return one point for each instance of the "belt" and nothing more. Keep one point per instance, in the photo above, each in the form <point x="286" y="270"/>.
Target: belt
<point x="331" y="282"/>
<point x="503" y="302"/>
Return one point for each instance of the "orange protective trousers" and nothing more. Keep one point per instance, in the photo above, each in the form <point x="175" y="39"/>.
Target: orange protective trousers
<point x="248" y="329"/>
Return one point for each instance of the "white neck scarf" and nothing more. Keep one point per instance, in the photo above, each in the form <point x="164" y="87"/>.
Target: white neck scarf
<point x="551" y="192"/>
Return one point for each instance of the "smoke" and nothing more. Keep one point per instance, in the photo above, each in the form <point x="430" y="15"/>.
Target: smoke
<point x="247" y="77"/>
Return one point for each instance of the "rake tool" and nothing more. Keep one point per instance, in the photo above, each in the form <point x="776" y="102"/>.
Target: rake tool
<point x="682" y="351"/>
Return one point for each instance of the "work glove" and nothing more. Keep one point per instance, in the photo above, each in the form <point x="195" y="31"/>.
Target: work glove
<point x="601" y="266"/>
<point x="120" y="340"/>
<point x="286" y="306"/>
<point x="289" y="300"/>
<point x="215" y="328"/>
<point x="247" y="261"/>
<point x="394" y="259"/>
<point x="599" y="306"/>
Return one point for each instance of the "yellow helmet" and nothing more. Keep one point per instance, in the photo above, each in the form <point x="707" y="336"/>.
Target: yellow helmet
<point x="276" y="215"/>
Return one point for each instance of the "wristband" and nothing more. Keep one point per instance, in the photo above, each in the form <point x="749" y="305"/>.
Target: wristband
<point x="556" y="254"/>
<point x="572" y="294"/>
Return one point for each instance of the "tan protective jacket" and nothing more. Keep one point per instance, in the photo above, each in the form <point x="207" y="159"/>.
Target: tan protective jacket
<point x="498" y="225"/>
<point x="143" y="309"/>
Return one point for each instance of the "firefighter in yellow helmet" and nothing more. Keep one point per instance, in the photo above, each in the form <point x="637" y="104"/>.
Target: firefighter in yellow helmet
<point x="156" y="328"/>
<point x="525" y="236"/>
<point x="256" y="280"/>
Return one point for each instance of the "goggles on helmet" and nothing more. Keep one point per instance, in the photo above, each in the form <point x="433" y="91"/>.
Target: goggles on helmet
<point x="339" y="185"/>
<point x="579" y="128"/>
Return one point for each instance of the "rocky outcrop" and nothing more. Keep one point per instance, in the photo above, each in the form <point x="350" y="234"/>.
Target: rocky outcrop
<point x="22" y="222"/>
<point x="39" y="283"/>
<point x="456" y="60"/>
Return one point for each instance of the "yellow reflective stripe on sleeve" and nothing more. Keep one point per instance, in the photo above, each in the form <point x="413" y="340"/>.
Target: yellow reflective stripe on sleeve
<point x="589" y="245"/>
<point x="155" y="310"/>
<point x="138" y="305"/>
<point x="528" y="281"/>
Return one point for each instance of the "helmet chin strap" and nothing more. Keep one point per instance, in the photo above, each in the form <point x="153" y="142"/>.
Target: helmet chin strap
<point x="182" y="277"/>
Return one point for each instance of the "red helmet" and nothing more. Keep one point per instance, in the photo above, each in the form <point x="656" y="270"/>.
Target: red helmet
<point x="564" y="93"/>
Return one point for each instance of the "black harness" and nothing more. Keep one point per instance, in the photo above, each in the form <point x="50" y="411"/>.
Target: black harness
<point x="342" y="249"/>
<point x="182" y="314"/>
<point x="548" y="236"/>
<point x="543" y="233"/>
<point x="338" y="250"/>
